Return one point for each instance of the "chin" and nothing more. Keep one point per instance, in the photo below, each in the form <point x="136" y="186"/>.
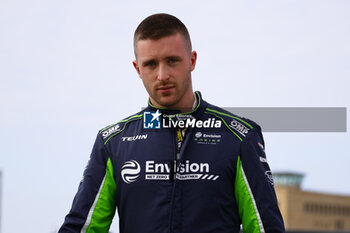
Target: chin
<point x="167" y="102"/>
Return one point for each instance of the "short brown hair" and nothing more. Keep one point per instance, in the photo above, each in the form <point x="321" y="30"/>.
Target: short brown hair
<point x="158" y="26"/>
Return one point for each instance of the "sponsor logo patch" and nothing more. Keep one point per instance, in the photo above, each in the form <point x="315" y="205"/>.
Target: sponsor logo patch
<point x="110" y="131"/>
<point x="239" y="127"/>
<point x="184" y="171"/>
<point x="207" y="138"/>
<point x="263" y="160"/>
<point x="130" y="171"/>
<point x="134" y="138"/>
<point x="269" y="177"/>
<point x="261" y="146"/>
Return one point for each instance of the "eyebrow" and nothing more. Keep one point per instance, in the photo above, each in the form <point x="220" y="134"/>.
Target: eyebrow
<point x="148" y="61"/>
<point x="173" y="57"/>
<point x="166" y="58"/>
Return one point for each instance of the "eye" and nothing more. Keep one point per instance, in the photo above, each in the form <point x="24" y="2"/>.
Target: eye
<point x="172" y="60"/>
<point x="150" y="64"/>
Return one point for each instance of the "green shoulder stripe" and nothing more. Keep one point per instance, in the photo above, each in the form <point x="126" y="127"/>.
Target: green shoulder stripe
<point x="225" y="125"/>
<point x="103" y="209"/>
<point x="247" y="208"/>
<point x="112" y="130"/>
<point x="228" y="115"/>
<point x="110" y="126"/>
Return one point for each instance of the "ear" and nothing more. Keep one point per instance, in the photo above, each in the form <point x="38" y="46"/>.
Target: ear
<point x="137" y="68"/>
<point x="193" y="60"/>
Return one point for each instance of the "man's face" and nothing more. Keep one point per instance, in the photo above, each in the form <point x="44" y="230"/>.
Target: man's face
<point x="165" y="67"/>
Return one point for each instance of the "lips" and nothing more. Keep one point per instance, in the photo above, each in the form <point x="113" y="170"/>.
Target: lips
<point x="165" y="88"/>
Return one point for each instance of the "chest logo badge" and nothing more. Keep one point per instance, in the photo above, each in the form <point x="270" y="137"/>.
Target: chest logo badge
<point x="130" y="171"/>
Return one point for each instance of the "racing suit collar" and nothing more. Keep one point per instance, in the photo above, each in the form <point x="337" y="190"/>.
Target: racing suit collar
<point x="197" y="110"/>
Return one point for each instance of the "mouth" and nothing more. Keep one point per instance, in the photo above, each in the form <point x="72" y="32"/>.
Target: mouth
<point x="165" y="89"/>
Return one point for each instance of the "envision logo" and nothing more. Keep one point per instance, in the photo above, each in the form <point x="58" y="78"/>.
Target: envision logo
<point x="203" y="138"/>
<point x="130" y="171"/>
<point x="186" y="170"/>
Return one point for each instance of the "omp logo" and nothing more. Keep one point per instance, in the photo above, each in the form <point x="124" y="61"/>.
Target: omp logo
<point x="110" y="131"/>
<point x="243" y="130"/>
<point x="130" y="171"/>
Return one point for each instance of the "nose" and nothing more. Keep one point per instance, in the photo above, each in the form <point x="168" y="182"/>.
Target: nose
<point x="163" y="72"/>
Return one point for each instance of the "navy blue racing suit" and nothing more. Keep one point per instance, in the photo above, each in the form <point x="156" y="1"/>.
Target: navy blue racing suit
<point x="170" y="172"/>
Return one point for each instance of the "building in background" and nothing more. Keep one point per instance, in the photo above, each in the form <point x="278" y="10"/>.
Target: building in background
<point x="305" y="211"/>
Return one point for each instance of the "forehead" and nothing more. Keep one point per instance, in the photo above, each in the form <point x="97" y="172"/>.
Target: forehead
<point x="174" y="45"/>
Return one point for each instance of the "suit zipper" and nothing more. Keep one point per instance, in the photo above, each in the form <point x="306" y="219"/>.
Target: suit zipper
<point x="179" y="140"/>
<point x="178" y="143"/>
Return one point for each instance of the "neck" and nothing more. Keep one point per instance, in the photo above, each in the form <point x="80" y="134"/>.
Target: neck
<point x="189" y="102"/>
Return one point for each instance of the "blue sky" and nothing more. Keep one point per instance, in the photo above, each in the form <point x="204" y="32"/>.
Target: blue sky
<point x="66" y="72"/>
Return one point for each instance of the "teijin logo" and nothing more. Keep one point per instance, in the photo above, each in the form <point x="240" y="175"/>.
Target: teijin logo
<point x="130" y="171"/>
<point x="134" y="138"/>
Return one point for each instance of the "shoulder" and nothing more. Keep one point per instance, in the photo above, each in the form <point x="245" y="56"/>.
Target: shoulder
<point x="240" y="126"/>
<point x="107" y="132"/>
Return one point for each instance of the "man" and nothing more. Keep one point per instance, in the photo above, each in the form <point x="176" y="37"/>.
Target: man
<point x="181" y="164"/>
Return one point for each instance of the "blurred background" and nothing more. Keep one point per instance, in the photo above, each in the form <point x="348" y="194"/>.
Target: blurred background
<point x="66" y="72"/>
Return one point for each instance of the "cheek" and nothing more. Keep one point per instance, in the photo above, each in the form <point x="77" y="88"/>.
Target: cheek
<point x="146" y="82"/>
<point x="145" y="74"/>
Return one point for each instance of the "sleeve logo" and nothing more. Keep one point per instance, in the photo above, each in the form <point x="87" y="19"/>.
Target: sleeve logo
<point x="110" y="131"/>
<point x="240" y="128"/>
<point x="269" y="177"/>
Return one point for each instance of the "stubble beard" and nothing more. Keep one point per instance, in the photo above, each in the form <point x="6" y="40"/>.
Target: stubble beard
<point x="175" y="97"/>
